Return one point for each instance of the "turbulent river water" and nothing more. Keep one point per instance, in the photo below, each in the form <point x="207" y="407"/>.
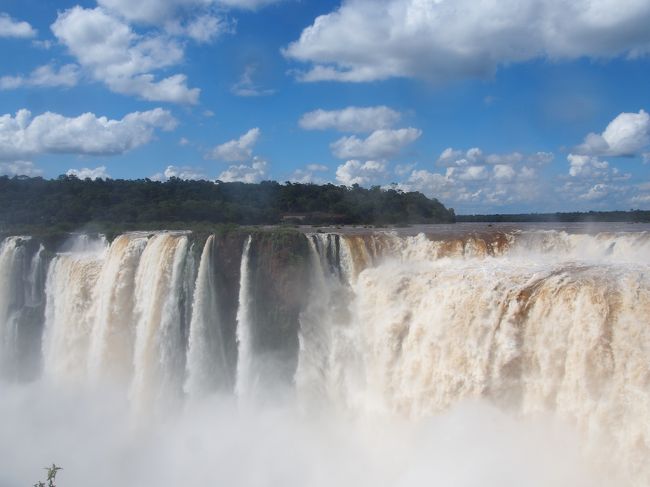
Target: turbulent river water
<point x="466" y="355"/>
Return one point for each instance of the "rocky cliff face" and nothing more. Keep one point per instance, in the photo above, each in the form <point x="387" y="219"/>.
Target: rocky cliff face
<point x="279" y="284"/>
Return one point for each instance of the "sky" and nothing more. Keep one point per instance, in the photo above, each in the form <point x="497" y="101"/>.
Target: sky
<point x="490" y="106"/>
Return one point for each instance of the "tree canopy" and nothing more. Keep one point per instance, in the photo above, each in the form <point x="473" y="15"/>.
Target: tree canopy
<point x="69" y="203"/>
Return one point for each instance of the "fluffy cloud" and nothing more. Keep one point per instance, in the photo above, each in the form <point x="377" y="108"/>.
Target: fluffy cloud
<point x="44" y="76"/>
<point x="350" y="119"/>
<point x="15" y="28"/>
<point x="246" y="85"/>
<point x="471" y="173"/>
<point x="476" y="181"/>
<point x="361" y="173"/>
<point x="587" y="166"/>
<point x="366" y="40"/>
<point x="457" y="158"/>
<point x="236" y="150"/>
<point x="309" y="174"/>
<point x="240" y="150"/>
<point x="597" y="192"/>
<point x="151" y="11"/>
<point x="253" y="173"/>
<point x="181" y="172"/>
<point x="594" y="180"/>
<point x="247" y="4"/>
<point x="114" y="54"/>
<point x="627" y="135"/>
<point x="503" y="172"/>
<point x="206" y="28"/>
<point x="380" y="144"/>
<point x="161" y="11"/>
<point x="476" y="188"/>
<point x="19" y="168"/>
<point x="96" y="173"/>
<point x="23" y="135"/>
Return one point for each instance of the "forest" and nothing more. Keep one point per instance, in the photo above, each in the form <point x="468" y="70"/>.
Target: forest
<point x="68" y="203"/>
<point x="631" y="216"/>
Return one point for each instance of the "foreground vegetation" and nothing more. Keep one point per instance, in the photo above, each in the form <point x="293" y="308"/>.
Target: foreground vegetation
<point x="51" y="477"/>
<point x="68" y="203"/>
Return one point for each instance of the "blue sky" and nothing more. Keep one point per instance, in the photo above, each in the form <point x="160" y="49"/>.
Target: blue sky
<point x="536" y="105"/>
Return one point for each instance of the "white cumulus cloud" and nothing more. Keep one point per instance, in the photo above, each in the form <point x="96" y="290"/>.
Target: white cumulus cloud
<point x="361" y="173"/>
<point x="86" y="172"/>
<point x="151" y="11"/>
<point x="477" y="181"/>
<point x="587" y="166"/>
<point x="350" y="119"/>
<point x="23" y="135"/>
<point x="236" y="150"/>
<point x="158" y="12"/>
<point x="503" y="172"/>
<point x="247" y="4"/>
<point x="627" y="135"/>
<point x="206" y="28"/>
<point x="457" y="158"/>
<point x="47" y="75"/>
<point x="180" y="172"/>
<point x="245" y="173"/>
<point x="19" y="168"/>
<point x="366" y="40"/>
<point x="380" y="144"/>
<point x="471" y="173"/>
<point x="114" y="54"/>
<point x="15" y="28"/>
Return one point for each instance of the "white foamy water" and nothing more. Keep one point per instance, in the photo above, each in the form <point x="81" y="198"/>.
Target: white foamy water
<point x="207" y="367"/>
<point x="12" y="256"/>
<point x="245" y="379"/>
<point x="487" y="358"/>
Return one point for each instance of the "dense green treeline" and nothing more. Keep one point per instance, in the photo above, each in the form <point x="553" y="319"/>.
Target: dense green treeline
<point x="638" y="216"/>
<point x="68" y="203"/>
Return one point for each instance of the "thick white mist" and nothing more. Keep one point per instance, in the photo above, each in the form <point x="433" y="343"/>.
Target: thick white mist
<point x="216" y="443"/>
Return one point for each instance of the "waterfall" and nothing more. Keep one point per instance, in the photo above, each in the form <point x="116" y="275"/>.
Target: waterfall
<point x="325" y="330"/>
<point x="70" y="311"/>
<point x="245" y="380"/>
<point x="35" y="280"/>
<point x="207" y="366"/>
<point x="11" y="258"/>
<point x="534" y="322"/>
<point x="158" y="359"/>
<point x="112" y="337"/>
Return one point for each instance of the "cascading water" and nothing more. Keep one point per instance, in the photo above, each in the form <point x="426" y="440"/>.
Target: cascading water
<point x="324" y="338"/>
<point x="118" y="313"/>
<point x="159" y="353"/>
<point x="207" y="364"/>
<point x="538" y="323"/>
<point x="11" y="262"/>
<point x="71" y="296"/>
<point x="112" y="336"/>
<point x="245" y="379"/>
